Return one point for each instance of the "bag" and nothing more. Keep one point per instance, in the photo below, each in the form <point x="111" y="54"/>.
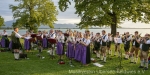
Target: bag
<point x="61" y="62"/>
<point x="22" y="55"/>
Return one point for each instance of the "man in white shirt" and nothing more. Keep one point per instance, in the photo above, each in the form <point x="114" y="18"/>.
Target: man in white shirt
<point x="118" y="41"/>
<point x="103" y="43"/>
<point x="16" y="45"/>
<point x="52" y="34"/>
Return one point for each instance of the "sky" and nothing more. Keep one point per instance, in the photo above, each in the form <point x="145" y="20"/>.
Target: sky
<point x="67" y="17"/>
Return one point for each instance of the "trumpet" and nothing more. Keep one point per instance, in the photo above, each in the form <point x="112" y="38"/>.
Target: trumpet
<point x="136" y="36"/>
<point x="145" y="38"/>
<point x="111" y="34"/>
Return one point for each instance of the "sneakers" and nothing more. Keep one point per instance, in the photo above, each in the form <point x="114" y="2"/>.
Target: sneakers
<point x="17" y="59"/>
<point x="126" y="58"/>
<point x="145" y="68"/>
<point x="141" y="67"/>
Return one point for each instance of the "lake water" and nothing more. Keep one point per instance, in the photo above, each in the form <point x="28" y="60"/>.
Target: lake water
<point x="121" y="30"/>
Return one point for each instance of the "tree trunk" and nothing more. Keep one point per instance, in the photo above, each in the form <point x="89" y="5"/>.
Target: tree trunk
<point x="34" y="28"/>
<point x="114" y="24"/>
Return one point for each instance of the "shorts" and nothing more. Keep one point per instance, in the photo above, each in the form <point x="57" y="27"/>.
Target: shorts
<point x="16" y="45"/>
<point x="109" y="44"/>
<point x="145" y="54"/>
<point x="134" y="49"/>
<point x="126" y="48"/>
<point x="103" y="49"/>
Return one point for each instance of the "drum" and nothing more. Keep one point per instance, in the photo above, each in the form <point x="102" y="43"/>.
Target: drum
<point x="33" y="35"/>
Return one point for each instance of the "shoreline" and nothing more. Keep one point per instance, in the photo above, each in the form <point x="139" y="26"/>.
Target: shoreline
<point x="73" y="28"/>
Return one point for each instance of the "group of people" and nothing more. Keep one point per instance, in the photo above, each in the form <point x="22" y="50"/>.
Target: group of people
<point x="78" y="45"/>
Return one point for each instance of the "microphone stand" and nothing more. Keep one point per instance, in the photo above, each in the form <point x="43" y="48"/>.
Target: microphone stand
<point x="109" y="54"/>
<point x="120" y="60"/>
<point x="32" y="45"/>
<point x="109" y="57"/>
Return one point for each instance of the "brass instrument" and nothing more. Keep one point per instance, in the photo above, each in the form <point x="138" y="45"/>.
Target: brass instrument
<point x="111" y="35"/>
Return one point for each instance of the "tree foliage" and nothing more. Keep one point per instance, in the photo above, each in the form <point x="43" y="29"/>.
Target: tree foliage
<point x="109" y="12"/>
<point x="1" y="21"/>
<point x="32" y="13"/>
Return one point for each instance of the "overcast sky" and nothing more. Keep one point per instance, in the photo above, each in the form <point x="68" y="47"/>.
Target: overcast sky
<point x="63" y="17"/>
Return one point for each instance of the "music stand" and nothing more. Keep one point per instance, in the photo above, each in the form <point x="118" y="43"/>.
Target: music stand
<point x="53" y="42"/>
<point x="66" y="35"/>
<point x="33" y="35"/>
<point x="33" y="38"/>
<point x="39" y="42"/>
<point x="39" y="38"/>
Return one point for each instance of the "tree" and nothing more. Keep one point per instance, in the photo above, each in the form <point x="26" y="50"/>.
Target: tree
<point x="32" y="13"/>
<point x="109" y="12"/>
<point x="1" y="21"/>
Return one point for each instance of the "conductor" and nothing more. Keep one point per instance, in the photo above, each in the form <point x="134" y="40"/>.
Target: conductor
<point x="16" y="45"/>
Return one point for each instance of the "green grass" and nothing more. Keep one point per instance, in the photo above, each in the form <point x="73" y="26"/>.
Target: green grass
<point x="48" y="66"/>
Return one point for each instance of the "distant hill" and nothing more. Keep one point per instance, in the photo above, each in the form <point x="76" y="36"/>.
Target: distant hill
<point x="8" y="24"/>
<point x="60" y="26"/>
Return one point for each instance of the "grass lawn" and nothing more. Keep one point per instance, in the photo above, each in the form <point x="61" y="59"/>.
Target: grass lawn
<point x="48" y="66"/>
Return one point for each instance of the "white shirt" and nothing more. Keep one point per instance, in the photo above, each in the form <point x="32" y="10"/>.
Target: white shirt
<point x="147" y="42"/>
<point x="118" y="40"/>
<point x="109" y="38"/>
<point x="17" y="35"/>
<point x="87" y="41"/>
<point x="105" y="39"/>
<point x="60" y="38"/>
<point x="5" y="33"/>
<point x="134" y="41"/>
<point x="78" y="39"/>
<point x="91" y="35"/>
<point x="128" y="38"/>
<point x="45" y="35"/>
<point x="52" y="35"/>
<point x="72" y="39"/>
<point x="28" y="37"/>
